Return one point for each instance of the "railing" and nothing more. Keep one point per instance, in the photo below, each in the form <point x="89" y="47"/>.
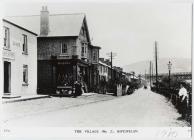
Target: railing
<point x="180" y="75"/>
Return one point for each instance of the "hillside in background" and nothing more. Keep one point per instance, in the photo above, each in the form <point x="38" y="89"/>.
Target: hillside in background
<point x="178" y="65"/>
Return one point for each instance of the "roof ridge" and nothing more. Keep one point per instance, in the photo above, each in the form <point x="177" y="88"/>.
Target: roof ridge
<point x="49" y="15"/>
<point x="23" y="16"/>
<point x="68" y="14"/>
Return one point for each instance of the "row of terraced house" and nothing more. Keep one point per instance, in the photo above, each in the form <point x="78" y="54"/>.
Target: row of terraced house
<point x="44" y="52"/>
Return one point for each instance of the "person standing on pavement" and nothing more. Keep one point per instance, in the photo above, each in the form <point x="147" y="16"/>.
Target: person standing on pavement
<point x="183" y="99"/>
<point x="78" y="89"/>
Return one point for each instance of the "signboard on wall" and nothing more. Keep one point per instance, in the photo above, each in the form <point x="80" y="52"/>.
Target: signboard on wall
<point x="15" y="43"/>
<point x="8" y="54"/>
<point x="64" y="63"/>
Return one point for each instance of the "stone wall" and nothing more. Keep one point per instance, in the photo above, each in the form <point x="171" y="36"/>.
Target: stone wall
<point x="48" y="46"/>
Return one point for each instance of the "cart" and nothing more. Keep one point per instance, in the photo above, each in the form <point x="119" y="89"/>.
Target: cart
<point x="64" y="91"/>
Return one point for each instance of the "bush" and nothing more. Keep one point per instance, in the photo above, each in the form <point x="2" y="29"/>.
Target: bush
<point x="172" y="92"/>
<point x="174" y="83"/>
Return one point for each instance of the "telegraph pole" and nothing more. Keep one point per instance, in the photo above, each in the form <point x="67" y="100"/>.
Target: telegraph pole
<point x="192" y="26"/>
<point x="111" y="63"/>
<point x="191" y="31"/>
<point x="111" y="55"/>
<point x="152" y="68"/>
<point x="150" y="73"/>
<point x="156" y="60"/>
<point x="191" y="39"/>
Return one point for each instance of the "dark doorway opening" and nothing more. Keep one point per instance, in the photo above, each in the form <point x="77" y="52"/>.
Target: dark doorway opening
<point x="7" y="77"/>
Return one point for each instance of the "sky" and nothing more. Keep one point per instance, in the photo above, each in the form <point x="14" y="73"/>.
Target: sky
<point x="126" y="28"/>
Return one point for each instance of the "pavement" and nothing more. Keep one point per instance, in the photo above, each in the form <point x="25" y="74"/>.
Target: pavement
<point x="24" y="108"/>
<point x="7" y="99"/>
<point x="89" y="94"/>
<point x="23" y="98"/>
<point x="141" y="109"/>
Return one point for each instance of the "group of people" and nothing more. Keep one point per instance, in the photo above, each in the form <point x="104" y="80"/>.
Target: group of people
<point x="79" y="88"/>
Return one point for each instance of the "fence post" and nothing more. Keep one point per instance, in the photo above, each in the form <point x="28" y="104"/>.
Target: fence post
<point x="119" y="89"/>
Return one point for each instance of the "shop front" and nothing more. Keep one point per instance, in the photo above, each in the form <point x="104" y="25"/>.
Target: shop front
<point x="58" y="76"/>
<point x="68" y="72"/>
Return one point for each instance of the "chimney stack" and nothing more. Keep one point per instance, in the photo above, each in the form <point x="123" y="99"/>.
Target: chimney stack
<point x="44" y="21"/>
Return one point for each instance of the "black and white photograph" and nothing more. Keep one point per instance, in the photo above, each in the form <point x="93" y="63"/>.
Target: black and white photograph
<point x="96" y="68"/>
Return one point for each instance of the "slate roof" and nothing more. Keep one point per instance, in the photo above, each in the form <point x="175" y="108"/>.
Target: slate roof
<point x="20" y="27"/>
<point x="59" y="24"/>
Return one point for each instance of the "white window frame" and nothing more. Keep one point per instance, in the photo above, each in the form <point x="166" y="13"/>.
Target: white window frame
<point x="62" y="45"/>
<point x="94" y="57"/>
<point x="85" y="48"/>
<point x="25" y="75"/>
<point x="6" y="41"/>
<point x="25" y="44"/>
<point x="82" y="51"/>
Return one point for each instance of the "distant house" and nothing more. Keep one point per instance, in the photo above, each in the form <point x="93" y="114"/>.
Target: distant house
<point x="117" y="72"/>
<point x="103" y="70"/>
<point x="65" y="52"/>
<point x="19" y="60"/>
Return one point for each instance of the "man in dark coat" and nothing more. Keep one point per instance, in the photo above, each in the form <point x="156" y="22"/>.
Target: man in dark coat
<point x="78" y="89"/>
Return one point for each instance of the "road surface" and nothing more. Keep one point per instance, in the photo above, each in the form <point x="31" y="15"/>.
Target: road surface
<point x="141" y="109"/>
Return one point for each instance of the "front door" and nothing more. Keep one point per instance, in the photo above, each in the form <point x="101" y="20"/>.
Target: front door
<point x="7" y="77"/>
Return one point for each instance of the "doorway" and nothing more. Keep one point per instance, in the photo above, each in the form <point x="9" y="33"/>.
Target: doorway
<point x="7" y="77"/>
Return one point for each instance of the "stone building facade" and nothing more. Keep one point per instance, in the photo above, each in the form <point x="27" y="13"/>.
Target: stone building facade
<point x="64" y="59"/>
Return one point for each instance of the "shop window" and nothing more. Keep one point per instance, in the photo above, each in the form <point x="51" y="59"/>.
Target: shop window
<point x="25" y="74"/>
<point x="25" y="46"/>
<point x="6" y="38"/>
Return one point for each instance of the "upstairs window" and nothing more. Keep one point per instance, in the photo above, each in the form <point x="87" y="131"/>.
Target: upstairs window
<point x="63" y="48"/>
<point x="25" y="46"/>
<point x="82" y="52"/>
<point x="6" y="37"/>
<point x="84" y="49"/>
<point x="94" y="56"/>
<point x="25" y="74"/>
